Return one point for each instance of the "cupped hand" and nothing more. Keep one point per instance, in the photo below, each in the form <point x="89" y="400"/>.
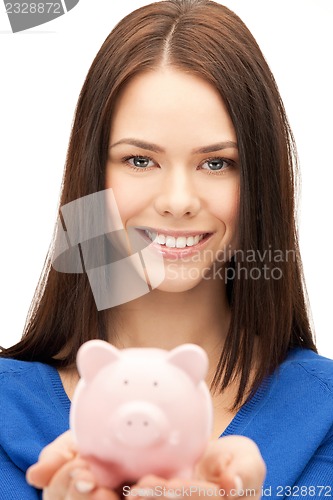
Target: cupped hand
<point x="234" y="463"/>
<point x="63" y="475"/>
<point x="231" y="467"/>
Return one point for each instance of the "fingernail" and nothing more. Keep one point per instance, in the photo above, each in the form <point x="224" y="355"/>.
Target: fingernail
<point x="84" y="486"/>
<point x="239" y="485"/>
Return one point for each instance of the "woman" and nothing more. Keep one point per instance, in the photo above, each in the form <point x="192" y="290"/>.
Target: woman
<point x="181" y="119"/>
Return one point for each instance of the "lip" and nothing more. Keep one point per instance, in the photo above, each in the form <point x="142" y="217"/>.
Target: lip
<point x="175" y="253"/>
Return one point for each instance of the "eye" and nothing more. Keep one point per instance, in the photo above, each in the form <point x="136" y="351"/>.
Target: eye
<point x="216" y="164"/>
<point x="139" y="162"/>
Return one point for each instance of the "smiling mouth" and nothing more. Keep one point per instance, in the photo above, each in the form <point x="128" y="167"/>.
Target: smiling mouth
<point x="171" y="241"/>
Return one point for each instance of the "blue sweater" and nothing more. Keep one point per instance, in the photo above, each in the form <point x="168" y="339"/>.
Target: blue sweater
<point x="290" y="418"/>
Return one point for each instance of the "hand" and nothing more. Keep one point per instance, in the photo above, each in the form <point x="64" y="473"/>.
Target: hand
<point x="233" y="462"/>
<point x="230" y="466"/>
<point x="63" y="475"/>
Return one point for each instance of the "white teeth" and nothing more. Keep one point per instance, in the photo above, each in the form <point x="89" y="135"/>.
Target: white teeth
<point x="172" y="242"/>
<point x="190" y="241"/>
<point x="161" y="239"/>
<point x="181" y="242"/>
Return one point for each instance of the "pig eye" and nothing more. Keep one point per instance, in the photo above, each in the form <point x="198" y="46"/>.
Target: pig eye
<point x="125" y="382"/>
<point x="155" y="384"/>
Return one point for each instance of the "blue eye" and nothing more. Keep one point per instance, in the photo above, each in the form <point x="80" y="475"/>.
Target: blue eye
<point x="140" y="162"/>
<point x="216" y="164"/>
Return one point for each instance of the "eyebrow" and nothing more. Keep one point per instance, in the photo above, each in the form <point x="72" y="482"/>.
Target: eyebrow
<point x="157" y="149"/>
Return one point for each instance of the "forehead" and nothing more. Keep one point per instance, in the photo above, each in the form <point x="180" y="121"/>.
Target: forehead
<point x="168" y="103"/>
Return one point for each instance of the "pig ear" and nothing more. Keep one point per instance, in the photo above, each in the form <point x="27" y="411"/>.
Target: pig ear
<point x="192" y="359"/>
<point x="93" y="356"/>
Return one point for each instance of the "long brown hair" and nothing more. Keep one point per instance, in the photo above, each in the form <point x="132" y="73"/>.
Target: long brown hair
<point x="202" y="38"/>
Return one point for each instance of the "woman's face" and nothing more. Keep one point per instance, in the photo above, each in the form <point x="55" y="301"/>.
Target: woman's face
<point x="173" y="168"/>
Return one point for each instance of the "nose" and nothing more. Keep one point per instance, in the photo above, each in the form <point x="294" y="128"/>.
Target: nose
<point x="178" y="196"/>
<point x="140" y="424"/>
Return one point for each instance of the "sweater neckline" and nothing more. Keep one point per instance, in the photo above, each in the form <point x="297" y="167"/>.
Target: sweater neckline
<point x="240" y="420"/>
<point x="56" y="388"/>
<point x="60" y="390"/>
<point x="244" y="416"/>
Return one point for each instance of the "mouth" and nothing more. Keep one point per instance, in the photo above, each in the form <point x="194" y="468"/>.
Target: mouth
<point x="170" y="241"/>
<point x="175" y="240"/>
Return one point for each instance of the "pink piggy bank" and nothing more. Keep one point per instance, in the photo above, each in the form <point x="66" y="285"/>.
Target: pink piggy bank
<point x="141" y="411"/>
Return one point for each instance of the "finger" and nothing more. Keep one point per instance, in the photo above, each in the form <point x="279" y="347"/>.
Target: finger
<point x="147" y="486"/>
<point x="72" y="478"/>
<point x="52" y="458"/>
<point x="213" y="463"/>
<point x="104" y="494"/>
<point x="64" y="444"/>
<point x="214" y="468"/>
<point x="247" y="464"/>
<point x="154" y="486"/>
<point x="150" y="480"/>
<point x="40" y="474"/>
<point x="233" y="462"/>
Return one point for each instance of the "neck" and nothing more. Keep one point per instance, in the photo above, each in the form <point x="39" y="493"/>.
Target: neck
<point x="164" y="320"/>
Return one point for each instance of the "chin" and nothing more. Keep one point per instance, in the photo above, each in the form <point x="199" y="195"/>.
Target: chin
<point x="176" y="287"/>
<point x="178" y="284"/>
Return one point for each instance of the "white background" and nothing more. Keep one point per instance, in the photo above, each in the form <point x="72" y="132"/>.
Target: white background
<point x="42" y="71"/>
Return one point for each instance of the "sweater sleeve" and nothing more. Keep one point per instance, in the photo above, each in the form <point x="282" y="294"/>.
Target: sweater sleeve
<point x="34" y="410"/>
<point x="316" y="480"/>
<point x="13" y="483"/>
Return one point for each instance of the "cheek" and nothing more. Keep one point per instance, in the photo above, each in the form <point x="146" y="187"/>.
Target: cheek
<point x="129" y="199"/>
<point x="225" y="206"/>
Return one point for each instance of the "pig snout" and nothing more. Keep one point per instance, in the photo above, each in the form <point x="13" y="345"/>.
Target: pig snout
<point x="140" y="424"/>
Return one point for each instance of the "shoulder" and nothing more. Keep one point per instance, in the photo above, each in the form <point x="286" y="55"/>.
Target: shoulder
<point x="34" y="408"/>
<point x="20" y="382"/>
<point x="26" y="384"/>
<point x="302" y="387"/>
<point x="312" y="368"/>
<point x="293" y="423"/>
<point x="12" y="366"/>
<point x="12" y="369"/>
